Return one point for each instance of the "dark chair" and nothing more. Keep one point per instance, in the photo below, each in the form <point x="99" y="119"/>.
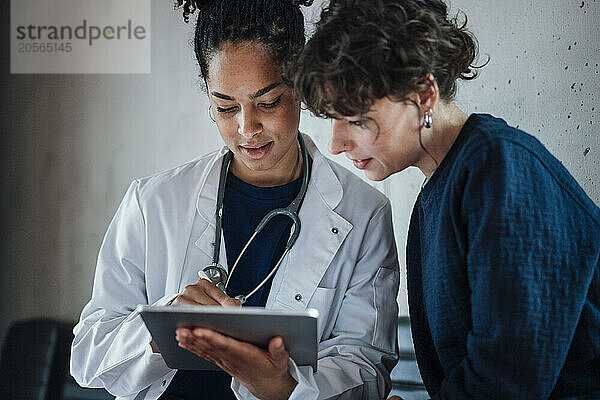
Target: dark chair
<point x="35" y="363"/>
<point x="33" y="359"/>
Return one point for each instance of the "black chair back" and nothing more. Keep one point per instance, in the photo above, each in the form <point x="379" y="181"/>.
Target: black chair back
<point x="33" y="361"/>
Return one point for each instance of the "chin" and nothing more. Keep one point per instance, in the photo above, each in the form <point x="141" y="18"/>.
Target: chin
<point x="376" y="176"/>
<point x="258" y="165"/>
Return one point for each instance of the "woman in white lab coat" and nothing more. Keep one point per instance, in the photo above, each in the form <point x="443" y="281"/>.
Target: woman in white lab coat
<point x="344" y="262"/>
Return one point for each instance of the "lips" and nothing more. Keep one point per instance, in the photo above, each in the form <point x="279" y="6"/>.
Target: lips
<point x="361" y="164"/>
<point x="256" y="151"/>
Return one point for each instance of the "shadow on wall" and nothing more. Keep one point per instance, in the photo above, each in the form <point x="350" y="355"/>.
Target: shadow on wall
<point x="35" y="157"/>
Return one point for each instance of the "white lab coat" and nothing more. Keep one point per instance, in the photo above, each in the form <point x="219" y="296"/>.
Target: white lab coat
<point x="344" y="264"/>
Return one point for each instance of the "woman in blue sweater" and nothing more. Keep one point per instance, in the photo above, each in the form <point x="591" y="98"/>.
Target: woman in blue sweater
<point x="503" y="246"/>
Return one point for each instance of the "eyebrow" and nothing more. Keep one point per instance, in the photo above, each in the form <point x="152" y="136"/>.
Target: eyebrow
<point x="265" y="90"/>
<point x="255" y="95"/>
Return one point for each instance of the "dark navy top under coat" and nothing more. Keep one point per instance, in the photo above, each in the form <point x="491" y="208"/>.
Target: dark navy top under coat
<point x="244" y="205"/>
<point x="503" y="272"/>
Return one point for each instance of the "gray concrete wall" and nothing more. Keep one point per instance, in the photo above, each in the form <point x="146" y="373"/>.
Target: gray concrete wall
<point x="70" y="144"/>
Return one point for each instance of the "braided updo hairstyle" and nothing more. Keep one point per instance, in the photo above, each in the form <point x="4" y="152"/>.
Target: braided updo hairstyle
<point x="363" y="51"/>
<point x="278" y="25"/>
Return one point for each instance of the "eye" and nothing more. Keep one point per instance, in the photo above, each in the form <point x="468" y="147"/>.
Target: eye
<point x="226" y="110"/>
<point x="273" y="104"/>
<point x="359" y="123"/>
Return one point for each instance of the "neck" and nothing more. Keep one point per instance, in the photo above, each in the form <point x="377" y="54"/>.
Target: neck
<point x="288" y="169"/>
<point x="448" y="120"/>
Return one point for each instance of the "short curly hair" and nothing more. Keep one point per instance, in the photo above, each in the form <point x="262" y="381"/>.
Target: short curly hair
<point x="363" y="51"/>
<point x="278" y="25"/>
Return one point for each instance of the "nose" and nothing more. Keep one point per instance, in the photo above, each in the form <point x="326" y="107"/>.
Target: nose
<point x="339" y="141"/>
<point x="249" y="124"/>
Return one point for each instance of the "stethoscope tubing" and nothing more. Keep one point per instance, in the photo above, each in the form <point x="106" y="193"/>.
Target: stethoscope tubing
<point x="291" y="211"/>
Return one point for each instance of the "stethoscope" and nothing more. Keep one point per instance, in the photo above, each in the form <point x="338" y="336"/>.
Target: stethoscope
<point x="215" y="272"/>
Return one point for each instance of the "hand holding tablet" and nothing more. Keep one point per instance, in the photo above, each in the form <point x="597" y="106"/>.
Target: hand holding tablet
<point x="265" y="373"/>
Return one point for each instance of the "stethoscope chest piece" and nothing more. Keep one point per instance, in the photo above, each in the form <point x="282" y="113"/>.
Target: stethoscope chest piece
<point x="216" y="274"/>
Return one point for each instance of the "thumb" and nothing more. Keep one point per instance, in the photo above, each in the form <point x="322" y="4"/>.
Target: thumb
<point x="218" y="295"/>
<point x="278" y="352"/>
<point x="230" y="302"/>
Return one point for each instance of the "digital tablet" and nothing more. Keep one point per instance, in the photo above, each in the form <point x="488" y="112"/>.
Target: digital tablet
<point x="249" y="324"/>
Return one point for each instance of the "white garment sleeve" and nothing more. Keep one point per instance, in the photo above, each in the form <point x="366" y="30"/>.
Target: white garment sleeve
<point x="112" y="348"/>
<point x="356" y="360"/>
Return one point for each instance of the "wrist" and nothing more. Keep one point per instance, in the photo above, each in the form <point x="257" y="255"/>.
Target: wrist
<point x="287" y="386"/>
<point x="278" y="388"/>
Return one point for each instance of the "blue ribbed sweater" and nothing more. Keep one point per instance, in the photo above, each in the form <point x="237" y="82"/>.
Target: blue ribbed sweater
<point x="503" y="272"/>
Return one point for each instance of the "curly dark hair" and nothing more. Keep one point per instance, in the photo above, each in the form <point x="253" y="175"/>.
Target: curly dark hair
<point x="363" y="51"/>
<point x="278" y="25"/>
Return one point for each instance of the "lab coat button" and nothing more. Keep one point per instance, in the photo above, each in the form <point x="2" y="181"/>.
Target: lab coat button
<point x="334" y="230"/>
<point x="212" y="244"/>
<point x="164" y="382"/>
<point x="298" y="297"/>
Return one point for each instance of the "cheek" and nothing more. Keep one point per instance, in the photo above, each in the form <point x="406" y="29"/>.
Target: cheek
<point x="376" y="146"/>
<point x="401" y="140"/>
<point x="228" y="129"/>
<point x="286" y="116"/>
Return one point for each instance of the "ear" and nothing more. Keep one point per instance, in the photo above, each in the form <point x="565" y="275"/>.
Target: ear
<point x="429" y="97"/>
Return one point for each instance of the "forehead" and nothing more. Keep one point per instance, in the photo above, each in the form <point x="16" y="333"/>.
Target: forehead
<point x="242" y="68"/>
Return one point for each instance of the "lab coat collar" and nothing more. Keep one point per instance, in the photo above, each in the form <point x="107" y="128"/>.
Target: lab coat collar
<point x="206" y="205"/>
<point x="207" y="197"/>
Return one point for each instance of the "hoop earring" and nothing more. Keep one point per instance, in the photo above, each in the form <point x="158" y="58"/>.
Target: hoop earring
<point x="210" y="114"/>
<point x="427" y="119"/>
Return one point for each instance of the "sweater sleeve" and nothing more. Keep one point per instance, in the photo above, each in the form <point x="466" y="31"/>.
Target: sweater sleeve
<point x="530" y="262"/>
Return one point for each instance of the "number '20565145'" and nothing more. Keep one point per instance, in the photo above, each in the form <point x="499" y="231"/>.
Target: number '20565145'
<point x="35" y="47"/>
